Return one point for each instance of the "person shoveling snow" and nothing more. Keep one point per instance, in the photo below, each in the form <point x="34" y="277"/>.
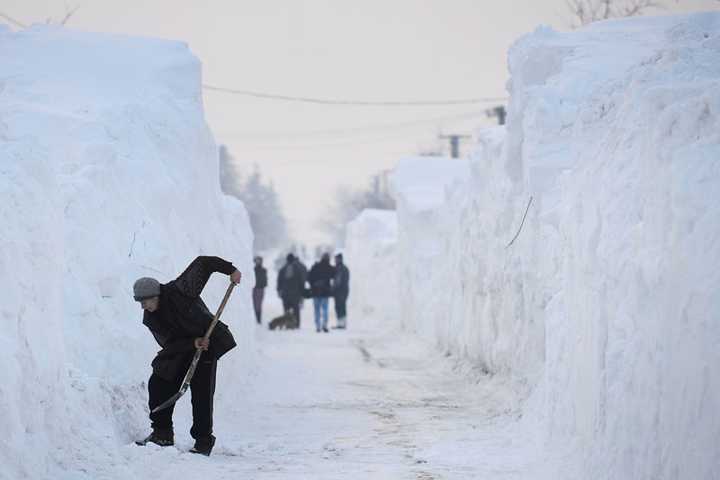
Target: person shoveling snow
<point x="181" y="323"/>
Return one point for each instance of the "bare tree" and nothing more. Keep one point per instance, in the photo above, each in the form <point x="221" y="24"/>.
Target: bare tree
<point x="69" y="13"/>
<point x="588" y="11"/>
<point x="260" y="198"/>
<point x="349" y="203"/>
<point x="12" y="20"/>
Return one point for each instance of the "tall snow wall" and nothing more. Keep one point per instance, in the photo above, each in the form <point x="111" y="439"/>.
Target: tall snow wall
<point x="604" y="301"/>
<point x="370" y="252"/>
<point x="108" y="172"/>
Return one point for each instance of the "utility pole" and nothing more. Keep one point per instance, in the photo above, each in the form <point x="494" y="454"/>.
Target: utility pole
<point x="498" y="112"/>
<point x="454" y="143"/>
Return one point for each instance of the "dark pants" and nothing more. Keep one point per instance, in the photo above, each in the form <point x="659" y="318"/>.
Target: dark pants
<point x="295" y="305"/>
<point x="341" y="306"/>
<point x="258" y="294"/>
<point x="202" y="388"/>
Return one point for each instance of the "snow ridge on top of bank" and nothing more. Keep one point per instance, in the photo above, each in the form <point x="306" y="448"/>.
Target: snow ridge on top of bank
<point x="79" y="70"/>
<point x="568" y="85"/>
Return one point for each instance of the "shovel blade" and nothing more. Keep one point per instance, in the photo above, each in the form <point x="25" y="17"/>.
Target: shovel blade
<point x="173" y="399"/>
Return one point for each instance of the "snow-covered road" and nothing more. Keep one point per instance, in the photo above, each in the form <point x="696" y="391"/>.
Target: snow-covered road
<point x="346" y="405"/>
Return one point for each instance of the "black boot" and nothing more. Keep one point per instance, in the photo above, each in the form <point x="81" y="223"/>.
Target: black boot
<point x="204" y="445"/>
<point x="164" y="438"/>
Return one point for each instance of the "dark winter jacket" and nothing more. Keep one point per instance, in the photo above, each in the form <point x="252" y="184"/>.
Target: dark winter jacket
<point x="303" y="270"/>
<point x="341" y="282"/>
<point x="320" y="279"/>
<point x="290" y="282"/>
<point x="182" y="316"/>
<point x="260" y="277"/>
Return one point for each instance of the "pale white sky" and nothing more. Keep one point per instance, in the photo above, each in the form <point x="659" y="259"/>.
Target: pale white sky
<point x="343" y="49"/>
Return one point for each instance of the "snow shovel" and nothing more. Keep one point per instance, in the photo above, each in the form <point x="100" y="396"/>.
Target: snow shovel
<point x="196" y="358"/>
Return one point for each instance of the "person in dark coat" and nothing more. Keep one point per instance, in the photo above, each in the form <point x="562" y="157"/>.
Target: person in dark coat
<point x="341" y="290"/>
<point x="303" y="279"/>
<point x="303" y="270"/>
<point x="320" y="279"/>
<point x="258" y="292"/>
<point x="290" y="285"/>
<point x="178" y="319"/>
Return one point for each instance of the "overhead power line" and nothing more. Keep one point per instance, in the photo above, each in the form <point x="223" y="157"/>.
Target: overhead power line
<point x="326" y="101"/>
<point x="341" y="143"/>
<point x="355" y="130"/>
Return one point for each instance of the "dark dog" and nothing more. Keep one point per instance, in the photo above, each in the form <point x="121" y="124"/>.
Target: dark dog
<point x="286" y="321"/>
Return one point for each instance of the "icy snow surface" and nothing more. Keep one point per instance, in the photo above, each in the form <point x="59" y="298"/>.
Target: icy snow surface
<point x="108" y="172"/>
<point x="606" y="306"/>
<point x="350" y="405"/>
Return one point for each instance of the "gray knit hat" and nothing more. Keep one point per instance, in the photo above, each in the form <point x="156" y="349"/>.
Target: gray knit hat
<point x="146" y="287"/>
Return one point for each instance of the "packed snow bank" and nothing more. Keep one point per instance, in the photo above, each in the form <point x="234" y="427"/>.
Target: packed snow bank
<point x="606" y="296"/>
<point x="370" y="253"/>
<point x="453" y="261"/>
<point x="621" y="147"/>
<point x="108" y="172"/>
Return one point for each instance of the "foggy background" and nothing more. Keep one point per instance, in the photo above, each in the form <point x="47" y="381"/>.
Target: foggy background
<point x="307" y="155"/>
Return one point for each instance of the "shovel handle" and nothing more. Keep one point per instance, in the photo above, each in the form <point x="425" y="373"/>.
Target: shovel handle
<point x="219" y="311"/>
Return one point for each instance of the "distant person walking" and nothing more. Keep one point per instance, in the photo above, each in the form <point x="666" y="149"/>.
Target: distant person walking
<point x="341" y="290"/>
<point x="290" y="285"/>
<point x="320" y="279"/>
<point x="258" y="292"/>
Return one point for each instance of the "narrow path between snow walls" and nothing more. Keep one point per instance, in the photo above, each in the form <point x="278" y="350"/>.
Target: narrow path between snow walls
<point x="346" y="404"/>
